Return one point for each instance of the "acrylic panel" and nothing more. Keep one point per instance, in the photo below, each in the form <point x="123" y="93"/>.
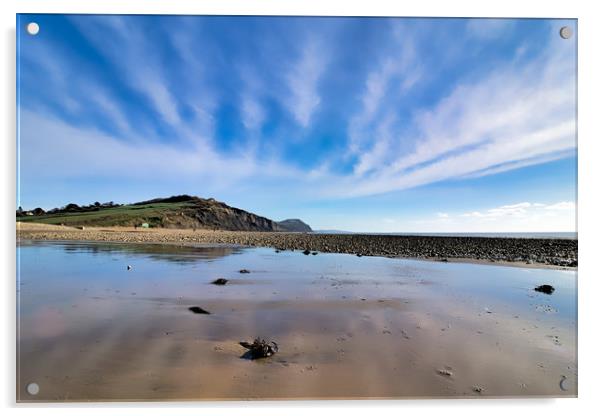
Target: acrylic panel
<point x="268" y="208"/>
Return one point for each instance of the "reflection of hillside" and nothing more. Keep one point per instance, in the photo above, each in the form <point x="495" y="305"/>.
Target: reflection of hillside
<point x="169" y="252"/>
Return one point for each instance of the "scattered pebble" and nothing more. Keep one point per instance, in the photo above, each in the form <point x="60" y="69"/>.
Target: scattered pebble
<point x="259" y="348"/>
<point x="547" y="289"/>
<point x="555" y="252"/>
<point x="198" y="309"/>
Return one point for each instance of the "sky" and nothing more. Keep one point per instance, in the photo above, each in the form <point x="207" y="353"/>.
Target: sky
<point x="356" y="124"/>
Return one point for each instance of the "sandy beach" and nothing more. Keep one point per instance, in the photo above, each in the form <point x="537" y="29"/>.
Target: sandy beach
<point x="531" y="252"/>
<point x="346" y="326"/>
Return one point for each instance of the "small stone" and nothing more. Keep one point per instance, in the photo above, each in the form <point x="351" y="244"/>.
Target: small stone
<point x="244" y="271"/>
<point x="199" y="310"/>
<point x="220" y="282"/>
<point x="445" y="372"/>
<point x="547" y="289"/>
<point x="259" y="348"/>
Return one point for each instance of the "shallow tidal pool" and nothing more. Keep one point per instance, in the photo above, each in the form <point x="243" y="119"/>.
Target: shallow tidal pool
<point x="346" y="326"/>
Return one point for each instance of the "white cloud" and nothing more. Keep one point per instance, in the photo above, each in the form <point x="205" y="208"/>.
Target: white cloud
<point x="518" y="217"/>
<point x="397" y="72"/>
<point x="489" y="28"/>
<point x="516" y="116"/>
<point x="108" y="107"/>
<point x="135" y="59"/>
<point x="302" y="80"/>
<point x="65" y="151"/>
<point x="562" y="206"/>
<point x="519" y="209"/>
<point x="253" y="114"/>
<point x="372" y="158"/>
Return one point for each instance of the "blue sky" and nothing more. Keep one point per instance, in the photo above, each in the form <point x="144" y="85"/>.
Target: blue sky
<point x="360" y="124"/>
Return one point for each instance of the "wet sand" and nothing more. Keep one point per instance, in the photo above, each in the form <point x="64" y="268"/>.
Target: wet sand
<point x="347" y="327"/>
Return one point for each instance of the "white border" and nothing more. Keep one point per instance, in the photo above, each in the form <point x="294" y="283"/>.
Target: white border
<point x="590" y="176"/>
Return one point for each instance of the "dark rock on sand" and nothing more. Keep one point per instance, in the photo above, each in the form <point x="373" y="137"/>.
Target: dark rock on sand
<point x="198" y="309"/>
<point x="244" y="271"/>
<point x="221" y="281"/>
<point x="307" y="252"/>
<point x="259" y="349"/>
<point x="547" y="289"/>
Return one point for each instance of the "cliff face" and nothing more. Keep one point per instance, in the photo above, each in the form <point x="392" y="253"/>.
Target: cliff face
<point x="211" y="214"/>
<point x="295" y="225"/>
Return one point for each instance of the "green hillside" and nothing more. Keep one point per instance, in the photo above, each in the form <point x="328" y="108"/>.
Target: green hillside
<point x="181" y="211"/>
<point x="125" y="215"/>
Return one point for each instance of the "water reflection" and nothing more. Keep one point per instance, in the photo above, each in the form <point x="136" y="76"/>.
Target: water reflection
<point x="95" y="330"/>
<point x="161" y="252"/>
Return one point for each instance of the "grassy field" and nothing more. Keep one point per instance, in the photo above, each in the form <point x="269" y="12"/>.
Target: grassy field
<point x="123" y="215"/>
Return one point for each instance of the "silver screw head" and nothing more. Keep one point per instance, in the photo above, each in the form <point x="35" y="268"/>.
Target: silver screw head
<point x="566" y="32"/>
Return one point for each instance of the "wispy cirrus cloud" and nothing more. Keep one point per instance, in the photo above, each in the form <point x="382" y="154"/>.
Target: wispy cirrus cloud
<point x="515" y="116"/>
<point x="488" y="29"/>
<point x="99" y="155"/>
<point x="253" y="114"/>
<point x="331" y="113"/>
<point x="135" y="58"/>
<point x="397" y="71"/>
<point x="302" y="80"/>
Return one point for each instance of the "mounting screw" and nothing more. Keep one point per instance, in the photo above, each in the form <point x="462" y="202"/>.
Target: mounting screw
<point x="566" y="32"/>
